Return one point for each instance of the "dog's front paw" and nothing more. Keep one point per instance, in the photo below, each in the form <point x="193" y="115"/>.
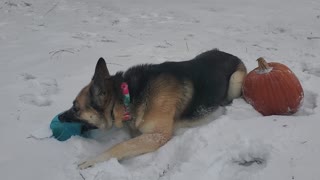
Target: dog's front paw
<point x="86" y="164"/>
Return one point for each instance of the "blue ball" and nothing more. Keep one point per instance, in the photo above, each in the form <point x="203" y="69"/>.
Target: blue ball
<point x="64" y="130"/>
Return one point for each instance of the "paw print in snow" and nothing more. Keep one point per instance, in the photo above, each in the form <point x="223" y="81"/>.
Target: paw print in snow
<point x="38" y="91"/>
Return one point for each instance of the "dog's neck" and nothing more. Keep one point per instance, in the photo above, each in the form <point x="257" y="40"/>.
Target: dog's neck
<point x="126" y="101"/>
<point x="122" y="102"/>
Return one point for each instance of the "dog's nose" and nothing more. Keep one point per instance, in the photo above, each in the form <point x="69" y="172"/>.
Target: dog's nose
<point x="63" y="117"/>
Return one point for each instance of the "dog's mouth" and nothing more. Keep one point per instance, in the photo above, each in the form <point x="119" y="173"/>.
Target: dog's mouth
<point x="86" y="126"/>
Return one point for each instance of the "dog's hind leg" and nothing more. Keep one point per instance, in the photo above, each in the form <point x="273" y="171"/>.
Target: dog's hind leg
<point x="235" y="82"/>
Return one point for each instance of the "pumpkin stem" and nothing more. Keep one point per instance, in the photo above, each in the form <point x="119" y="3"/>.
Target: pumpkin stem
<point x="263" y="66"/>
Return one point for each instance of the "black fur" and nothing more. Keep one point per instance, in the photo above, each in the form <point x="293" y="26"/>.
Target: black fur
<point x="209" y="72"/>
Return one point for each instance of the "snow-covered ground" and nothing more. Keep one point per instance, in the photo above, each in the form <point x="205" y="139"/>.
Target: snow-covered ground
<point x="49" y="49"/>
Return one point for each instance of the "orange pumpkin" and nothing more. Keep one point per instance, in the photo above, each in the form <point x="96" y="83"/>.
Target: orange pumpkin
<point x="273" y="89"/>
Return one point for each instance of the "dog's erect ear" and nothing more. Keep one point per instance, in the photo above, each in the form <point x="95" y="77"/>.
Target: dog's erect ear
<point x="101" y="69"/>
<point x="100" y="78"/>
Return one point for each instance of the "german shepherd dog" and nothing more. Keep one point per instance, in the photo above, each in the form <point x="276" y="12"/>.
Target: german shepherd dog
<point x="161" y="95"/>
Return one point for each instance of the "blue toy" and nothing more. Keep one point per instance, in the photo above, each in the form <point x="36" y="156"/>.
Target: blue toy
<point x="64" y="130"/>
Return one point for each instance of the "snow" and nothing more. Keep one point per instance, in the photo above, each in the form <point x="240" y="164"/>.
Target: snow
<point x="49" y="50"/>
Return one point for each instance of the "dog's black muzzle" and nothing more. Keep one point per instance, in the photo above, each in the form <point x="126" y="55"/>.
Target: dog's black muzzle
<point x="68" y="116"/>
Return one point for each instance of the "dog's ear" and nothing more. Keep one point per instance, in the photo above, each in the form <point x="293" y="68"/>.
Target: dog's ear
<point x="101" y="69"/>
<point x="100" y="78"/>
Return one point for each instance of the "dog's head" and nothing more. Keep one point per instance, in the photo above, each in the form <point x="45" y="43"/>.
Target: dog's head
<point x="94" y="104"/>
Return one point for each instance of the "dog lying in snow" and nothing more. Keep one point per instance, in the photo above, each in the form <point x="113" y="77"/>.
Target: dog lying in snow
<point x="150" y="99"/>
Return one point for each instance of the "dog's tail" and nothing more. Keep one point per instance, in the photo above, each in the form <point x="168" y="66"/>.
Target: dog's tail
<point x="236" y="81"/>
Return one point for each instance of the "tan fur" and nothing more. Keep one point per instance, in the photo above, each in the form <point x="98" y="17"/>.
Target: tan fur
<point x="90" y="114"/>
<point x="157" y="108"/>
<point x="156" y="123"/>
<point x="118" y="111"/>
<point x="235" y="83"/>
<point x="85" y="112"/>
<point x="155" y="118"/>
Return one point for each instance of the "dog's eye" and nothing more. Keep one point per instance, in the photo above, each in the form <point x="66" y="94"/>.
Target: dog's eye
<point x="75" y="109"/>
<point x="95" y="106"/>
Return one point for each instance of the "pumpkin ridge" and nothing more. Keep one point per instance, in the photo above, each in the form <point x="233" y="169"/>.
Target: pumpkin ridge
<point x="287" y="86"/>
<point x="275" y="91"/>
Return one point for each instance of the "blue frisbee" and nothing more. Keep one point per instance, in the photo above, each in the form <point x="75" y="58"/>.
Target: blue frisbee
<point x="64" y="130"/>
